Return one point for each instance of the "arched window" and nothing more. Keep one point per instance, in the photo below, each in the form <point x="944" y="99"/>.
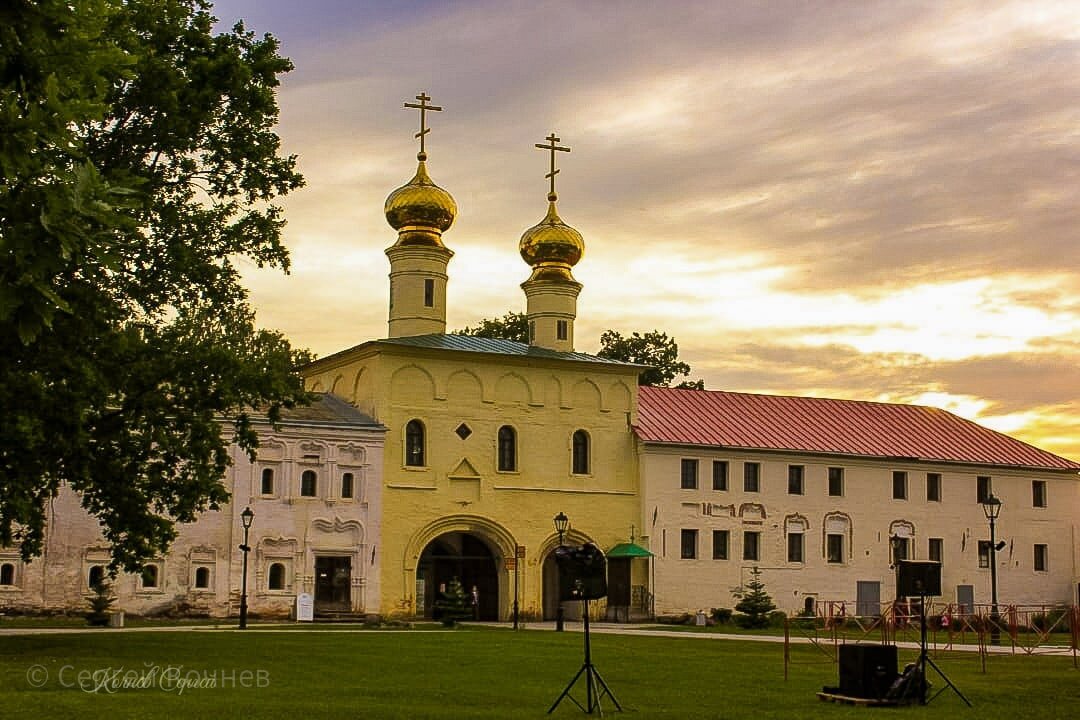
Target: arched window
<point x="308" y="482"/>
<point x="202" y="577"/>
<point x="276" y="580"/>
<point x="507" y="449"/>
<point x="347" y="485"/>
<point x="414" y="444"/>
<point x="149" y="576"/>
<point x="7" y="574"/>
<point x="96" y="576"/>
<point x="268" y="481"/>
<point x="581" y="452"/>
<point x="809" y="605"/>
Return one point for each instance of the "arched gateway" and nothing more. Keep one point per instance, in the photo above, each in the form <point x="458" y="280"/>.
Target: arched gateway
<point x="473" y="550"/>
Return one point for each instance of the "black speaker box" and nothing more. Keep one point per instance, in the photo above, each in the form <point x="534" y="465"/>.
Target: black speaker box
<point x="582" y="572"/>
<point x="918" y="577"/>
<point x="867" y="671"/>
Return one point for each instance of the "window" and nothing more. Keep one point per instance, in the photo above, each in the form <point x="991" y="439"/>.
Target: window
<point x="347" y="485"/>
<point x="836" y="482"/>
<point x="984" y="553"/>
<point x="581" y="452"/>
<point x="96" y="576"/>
<point x="983" y="488"/>
<point x="414" y="444"/>
<point x="1038" y="493"/>
<point x="834" y="548"/>
<point x="202" y="578"/>
<point x="933" y="487"/>
<point x="308" y="483"/>
<point x="935" y="550"/>
<point x="719" y="475"/>
<point x="689" y="545"/>
<point x="719" y="544"/>
<point x="900" y="549"/>
<point x="795" y="475"/>
<point x="562" y="329"/>
<point x="899" y="485"/>
<point x="7" y="574"/>
<point x="429" y="293"/>
<point x="795" y="547"/>
<point x="751" y="547"/>
<point x="689" y="474"/>
<point x="267" y="481"/>
<point x="751" y="477"/>
<point x="276" y="577"/>
<point x="507" y="449"/>
<point x="532" y="331"/>
<point x="1040" y="557"/>
<point x="149" y="576"/>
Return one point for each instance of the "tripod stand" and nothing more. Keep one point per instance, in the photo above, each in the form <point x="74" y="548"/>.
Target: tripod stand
<point x="925" y="659"/>
<point x="595" y="687"/>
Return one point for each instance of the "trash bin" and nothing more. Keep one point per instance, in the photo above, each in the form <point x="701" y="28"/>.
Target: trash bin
<point x="116" y="619"/>
<point x="700" y="619"/>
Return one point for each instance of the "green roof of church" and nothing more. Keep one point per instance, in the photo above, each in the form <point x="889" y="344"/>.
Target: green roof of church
<point x="494" y="346"/>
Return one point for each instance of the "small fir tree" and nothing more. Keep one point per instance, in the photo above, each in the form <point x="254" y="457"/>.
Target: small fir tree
<point x="100" y="603"/>
<point x="454" y="604"/>
<point x="754" y="602"/>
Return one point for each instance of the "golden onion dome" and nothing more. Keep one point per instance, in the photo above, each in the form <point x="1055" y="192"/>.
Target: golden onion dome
<point x="420" y="210"/>
<point x="551" y="247"/>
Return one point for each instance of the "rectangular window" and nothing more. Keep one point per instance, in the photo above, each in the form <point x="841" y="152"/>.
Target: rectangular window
<point x="933" y="487"/>
<point x="983" y="488"/>
<point x="834" y="548"/>
<point x="936" y="550"/>
<point x="561" y="329"/>
<point x="1038" y="493"/>
<point x="719" y="475"/>
<point x="984" y="553"/>
<point x="719" y="544"/>
<point x="347" y="485"/>
<point x="429" y="293"/>
<point x="836" y="482"/>
<point x="899" y="485"/>
<point x="751" y="477"/>
<point x="751" y="545"/>
<point x="1040" y="557"/>
<point x="795" y="475"/>
<point x="689" y="545"/>
<point x="689" y="474"/>
<point x="795" y="547"/>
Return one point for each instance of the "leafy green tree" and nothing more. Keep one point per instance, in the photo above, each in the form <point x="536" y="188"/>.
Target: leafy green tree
<point x="511" y="326"/>
<point x="754" y="602"/>
<point x="655" y="349"/>
<point x="138" y="161"/>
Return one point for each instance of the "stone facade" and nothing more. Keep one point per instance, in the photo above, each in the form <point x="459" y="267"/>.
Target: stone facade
<point x="201" y="574"/>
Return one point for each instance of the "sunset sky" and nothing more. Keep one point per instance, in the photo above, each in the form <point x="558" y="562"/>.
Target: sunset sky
<point x="867" y="200"/>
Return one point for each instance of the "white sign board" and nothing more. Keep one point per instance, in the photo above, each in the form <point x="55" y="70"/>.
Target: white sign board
<point x="305" y="608"/>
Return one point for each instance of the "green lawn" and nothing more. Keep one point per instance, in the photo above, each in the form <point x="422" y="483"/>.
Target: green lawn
<point x="477" y="672"/>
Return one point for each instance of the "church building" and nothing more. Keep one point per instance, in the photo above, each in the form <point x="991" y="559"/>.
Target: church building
<point x="488" y="440"/>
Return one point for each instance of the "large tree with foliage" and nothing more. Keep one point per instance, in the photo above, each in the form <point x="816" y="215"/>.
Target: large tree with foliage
<point x="138" y="161"/>
<point x="511" y="326"/>
<point x="654" y="349"/>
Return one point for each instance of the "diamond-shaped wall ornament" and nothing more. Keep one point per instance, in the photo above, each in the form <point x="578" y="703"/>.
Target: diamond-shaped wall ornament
<point x="463" y="431"/>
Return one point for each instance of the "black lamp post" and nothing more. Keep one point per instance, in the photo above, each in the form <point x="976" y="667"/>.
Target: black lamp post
<point x="561" y="524"/>
<point x="245" y="517"/>
<point x="992" y="509"/>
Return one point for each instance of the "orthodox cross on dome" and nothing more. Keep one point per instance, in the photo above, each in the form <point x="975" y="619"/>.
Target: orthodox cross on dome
<point x="553" y="147"/>
<point x="423" y="107"/>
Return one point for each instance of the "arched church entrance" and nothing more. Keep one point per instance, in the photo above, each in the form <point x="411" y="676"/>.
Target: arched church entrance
<point x="468" y="558"/>
<point x="571" y="608"/>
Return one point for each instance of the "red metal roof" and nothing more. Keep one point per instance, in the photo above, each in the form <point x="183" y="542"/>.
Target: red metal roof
<point x="819" y="425"/>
